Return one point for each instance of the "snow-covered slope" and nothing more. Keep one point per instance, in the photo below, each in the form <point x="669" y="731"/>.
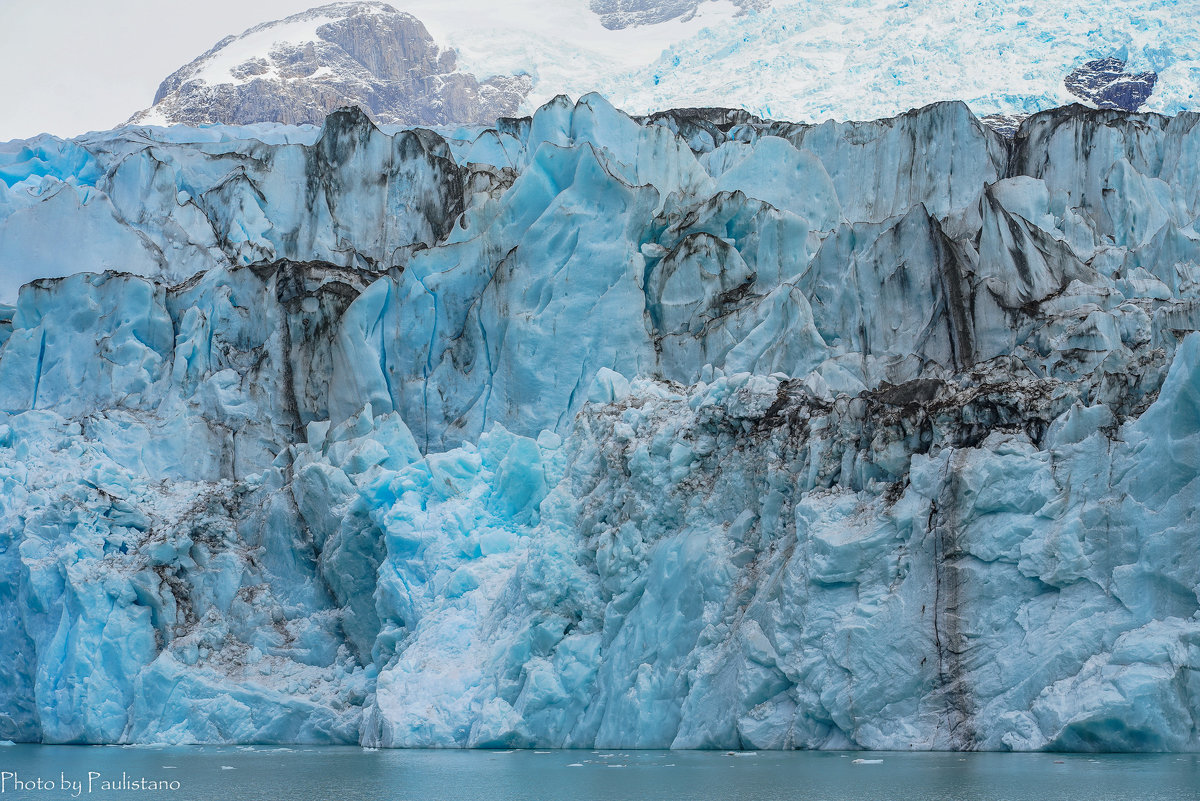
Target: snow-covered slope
<point x="786" y="59"/>
<point x="584" y="431"/>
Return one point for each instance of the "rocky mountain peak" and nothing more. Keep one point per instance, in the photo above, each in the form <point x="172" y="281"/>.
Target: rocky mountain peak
<point x="299" y="69"/>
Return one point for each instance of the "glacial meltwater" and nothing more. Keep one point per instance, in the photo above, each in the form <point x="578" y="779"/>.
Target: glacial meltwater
<point x="228" y="773"/>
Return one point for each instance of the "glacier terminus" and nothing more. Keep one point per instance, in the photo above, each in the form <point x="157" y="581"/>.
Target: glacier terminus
<point x="691" y="430"/>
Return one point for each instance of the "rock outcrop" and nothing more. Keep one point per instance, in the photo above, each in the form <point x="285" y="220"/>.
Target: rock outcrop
<point x="1105" y="83"/>
<point x="299" y="69"/>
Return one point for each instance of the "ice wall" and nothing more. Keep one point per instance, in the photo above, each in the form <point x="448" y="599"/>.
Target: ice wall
<point x="583" y="430"/>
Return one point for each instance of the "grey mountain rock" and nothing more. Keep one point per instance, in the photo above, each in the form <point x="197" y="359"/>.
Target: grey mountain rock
<point x="365" y="54"/>
<point x="1105" y="83"/>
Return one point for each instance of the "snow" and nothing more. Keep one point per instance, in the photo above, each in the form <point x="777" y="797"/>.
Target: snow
<point x="642" y="447"/>
<point x="803" y="60"/>
<point x="257" y="42"/>
<point x="563" y="44"/>
<point x="811" y="60"/>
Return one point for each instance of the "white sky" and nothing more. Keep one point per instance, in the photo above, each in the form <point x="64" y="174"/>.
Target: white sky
<point x="70" y="66"/>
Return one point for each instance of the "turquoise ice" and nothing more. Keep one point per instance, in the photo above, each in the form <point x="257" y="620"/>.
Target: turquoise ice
<point x="587" y="430"/>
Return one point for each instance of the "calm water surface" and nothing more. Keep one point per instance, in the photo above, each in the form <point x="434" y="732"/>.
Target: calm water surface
<point x="326" y="774"/>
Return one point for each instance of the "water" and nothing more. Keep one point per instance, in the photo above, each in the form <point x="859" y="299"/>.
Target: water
<point x="326" y="774"/>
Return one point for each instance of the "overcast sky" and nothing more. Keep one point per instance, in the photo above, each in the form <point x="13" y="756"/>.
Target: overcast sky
<point x="71" y="66"/>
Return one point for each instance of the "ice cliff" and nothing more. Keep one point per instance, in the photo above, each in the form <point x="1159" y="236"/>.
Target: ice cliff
<point x="692" y="431"/>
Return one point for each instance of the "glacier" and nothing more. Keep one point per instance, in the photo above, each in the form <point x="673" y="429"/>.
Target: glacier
<point x="588" y="430"/>
<point x="471" y="60"/>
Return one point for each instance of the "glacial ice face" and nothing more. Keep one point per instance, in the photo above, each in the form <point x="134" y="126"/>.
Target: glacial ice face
<point x="140" y="201"/>
<point x="692" y="432"/>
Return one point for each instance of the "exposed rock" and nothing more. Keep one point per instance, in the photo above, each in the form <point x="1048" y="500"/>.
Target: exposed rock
<point x="1105" y="83"/>
<point x="299" y="69"/>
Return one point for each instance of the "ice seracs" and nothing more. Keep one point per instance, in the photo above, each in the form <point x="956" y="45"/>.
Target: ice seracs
<point x="586" y="430"/>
